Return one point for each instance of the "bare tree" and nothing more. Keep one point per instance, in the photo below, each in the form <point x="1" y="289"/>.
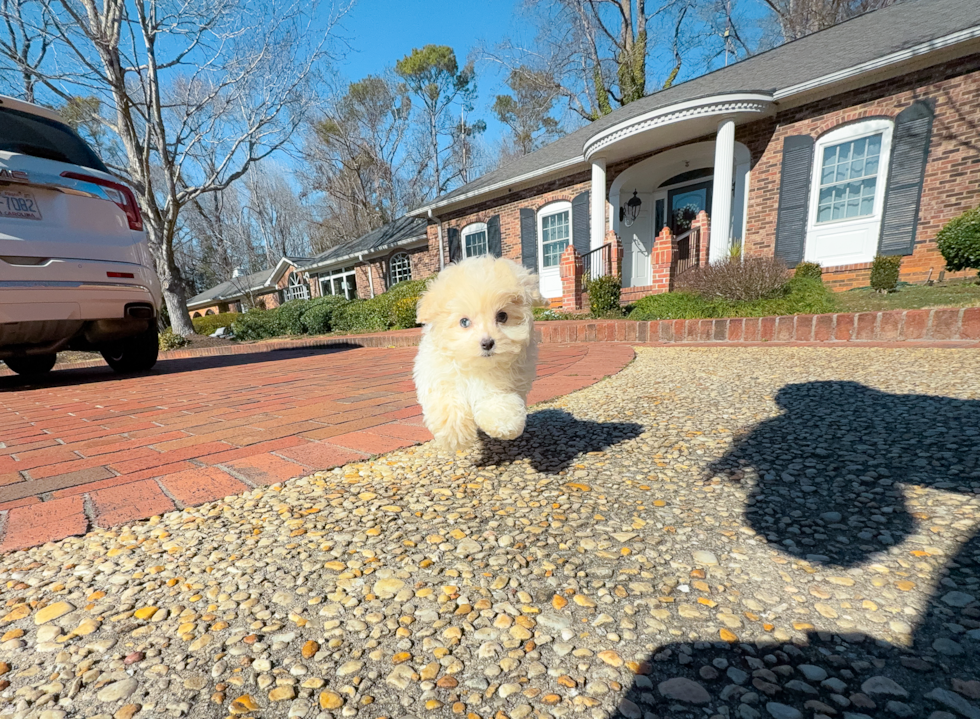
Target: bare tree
<point x="24" y="42"/>
<point x="798" y="18"/>
<point x="357" y="160"/>
<point x="280" y="220"/>
<point x="184" y="82"/>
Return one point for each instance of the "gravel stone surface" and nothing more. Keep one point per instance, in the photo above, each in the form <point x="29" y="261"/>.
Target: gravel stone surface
<point x="725" y="532"/>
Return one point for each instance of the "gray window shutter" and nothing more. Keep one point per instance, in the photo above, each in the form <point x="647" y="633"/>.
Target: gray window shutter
<point x="581" y="226"/>
<point x="906" y="169"/>
<point x="455" y="248"/>
<point x="529" y="239"/>
<point x="794" y="197"/>
<point x="493" y="236"/>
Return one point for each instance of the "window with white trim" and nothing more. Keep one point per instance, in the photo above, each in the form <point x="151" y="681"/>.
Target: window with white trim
<point x="296" y="288"/>
<point x="849" y="179"/>
<point x="399" y="268"/>
<point x="475" y="239"/>
<point x="847" y="193"/>
<point x="555" y="226"/>
<point x="341" y="282"/>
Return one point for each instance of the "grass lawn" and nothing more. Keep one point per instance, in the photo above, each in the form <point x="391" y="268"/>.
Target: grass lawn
<point x="910" y="297"/>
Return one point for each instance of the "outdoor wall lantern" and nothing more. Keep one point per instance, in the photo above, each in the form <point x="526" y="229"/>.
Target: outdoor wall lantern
<point x="629" y="213"/>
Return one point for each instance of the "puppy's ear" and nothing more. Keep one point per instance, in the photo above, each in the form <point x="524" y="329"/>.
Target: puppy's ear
<point x="532" y="290"/>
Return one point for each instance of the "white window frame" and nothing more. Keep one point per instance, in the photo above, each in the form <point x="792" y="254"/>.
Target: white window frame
<point x="391" y="268"/>
<point x="864" y="229"/>
<point x="474" y="229"/>
<point x="296" y="288"/>
<point x="342" y="274"/>
<point x="552" y="208"/>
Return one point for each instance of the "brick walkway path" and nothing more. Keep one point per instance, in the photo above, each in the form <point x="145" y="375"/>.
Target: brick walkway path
<point x="87" y="447"/>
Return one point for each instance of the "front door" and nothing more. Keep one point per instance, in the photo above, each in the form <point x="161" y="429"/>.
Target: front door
<point x="638" y="244"/>
<point x="685" y="204"/>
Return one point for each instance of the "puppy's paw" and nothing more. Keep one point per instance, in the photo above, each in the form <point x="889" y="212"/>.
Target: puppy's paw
<point x="501" y="417"/>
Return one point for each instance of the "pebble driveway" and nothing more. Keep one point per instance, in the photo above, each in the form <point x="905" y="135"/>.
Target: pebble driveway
<point x="724" y="532"/>
<point x="84" y="447"/>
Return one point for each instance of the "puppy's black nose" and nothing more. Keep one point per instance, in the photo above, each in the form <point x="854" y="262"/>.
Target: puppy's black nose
<point x="487" y="344"/>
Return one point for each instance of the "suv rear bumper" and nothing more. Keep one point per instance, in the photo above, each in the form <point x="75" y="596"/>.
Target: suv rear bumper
<point x="45" y="316"/>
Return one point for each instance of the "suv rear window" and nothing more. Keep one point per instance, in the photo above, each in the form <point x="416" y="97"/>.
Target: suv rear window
<point x="29" y="134"/>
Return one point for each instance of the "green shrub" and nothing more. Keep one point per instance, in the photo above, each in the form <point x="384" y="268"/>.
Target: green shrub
<point x="604" y="295"/>
<point x="360" y="316"/>
<point x="810" y="270"/>
<point x="801" y="295"/>
<point x="170" y="340"/>
<point x="546" y="314"/>
<point x="209" y="324"/>
<point x="289" y="317"/>
<point x="403" y="313"/>
<point x="959" y="242"/>
<point x="254" y="325"/>
<point x="672" y="306"/>
<point x="318" y="317"/>
<point x="884" y="272"/>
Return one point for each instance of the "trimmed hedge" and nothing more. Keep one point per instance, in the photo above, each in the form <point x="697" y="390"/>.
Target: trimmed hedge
<point x="289" y="317"/>
<point x="884" y="272"/>
<point x="604" y="294"/>
<point x="254" y="325"/>
<point x="209" y="324"/>
<point x="811" y="270"/>
<point x="959" y="241"/>
<point x="318" y="317"/>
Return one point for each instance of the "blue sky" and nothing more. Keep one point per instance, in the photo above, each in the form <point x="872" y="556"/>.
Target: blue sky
<point x="381" y="32"/>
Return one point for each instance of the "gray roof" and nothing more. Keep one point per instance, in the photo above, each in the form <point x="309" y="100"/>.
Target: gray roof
<point x="402" y="231"/>
<point x="844" y="46"/>
<point x="231" y="289"/>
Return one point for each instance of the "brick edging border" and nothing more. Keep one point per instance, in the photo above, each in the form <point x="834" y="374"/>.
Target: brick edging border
<point x="957" y="325"/>
<point x="935" y="325"/>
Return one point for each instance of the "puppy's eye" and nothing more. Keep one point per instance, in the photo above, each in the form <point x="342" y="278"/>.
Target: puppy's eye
<point x="501" y="317"/>
<point x="465" y="322"/>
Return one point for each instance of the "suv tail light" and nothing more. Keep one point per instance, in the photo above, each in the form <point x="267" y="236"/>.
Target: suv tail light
<point x="121" y="195"/>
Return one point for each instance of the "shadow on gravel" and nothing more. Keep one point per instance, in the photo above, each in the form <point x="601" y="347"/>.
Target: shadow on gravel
<point x="553" y="438"/>
<point x="828" y="475"/>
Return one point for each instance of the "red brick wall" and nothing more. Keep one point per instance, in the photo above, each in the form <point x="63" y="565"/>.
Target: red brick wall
<point x="952" y="180"/>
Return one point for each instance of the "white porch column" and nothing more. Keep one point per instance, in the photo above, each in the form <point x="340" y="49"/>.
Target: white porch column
<point x="721" y="197"/>
<point x="598" y="199"/>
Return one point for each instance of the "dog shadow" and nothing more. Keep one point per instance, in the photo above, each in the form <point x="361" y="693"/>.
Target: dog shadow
<point x="828" y="477"/>
<point x="553" y="439"/>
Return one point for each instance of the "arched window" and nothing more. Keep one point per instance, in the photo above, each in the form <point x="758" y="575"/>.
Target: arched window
<point x="195" y="315"/>
<point x="399" y="268"/>
<point x="297" y="289"/>
<point x="209" y="312"/>
<point x="475" y="239"/>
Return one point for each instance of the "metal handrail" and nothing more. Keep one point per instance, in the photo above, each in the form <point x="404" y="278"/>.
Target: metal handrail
<point x="692" y="241"/>
<point x="596" y="263"/>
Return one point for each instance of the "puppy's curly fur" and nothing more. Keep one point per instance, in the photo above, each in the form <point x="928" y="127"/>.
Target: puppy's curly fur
<point x="478" y="357"/>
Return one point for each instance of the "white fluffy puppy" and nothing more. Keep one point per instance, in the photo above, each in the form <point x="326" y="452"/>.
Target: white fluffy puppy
<point x="478" y="356"/>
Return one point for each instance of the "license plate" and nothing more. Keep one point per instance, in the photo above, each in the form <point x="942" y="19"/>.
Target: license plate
<point x="21" y="205"/>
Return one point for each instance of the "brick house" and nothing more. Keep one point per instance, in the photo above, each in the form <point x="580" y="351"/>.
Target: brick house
<point x="858" y="140"/>
<point x="361" y="268"/>
<point x="369" y="265"/>
<point x="266" y="290"/>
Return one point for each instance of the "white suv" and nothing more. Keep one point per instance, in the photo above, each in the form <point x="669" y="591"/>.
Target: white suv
<point x="75" y="269"/>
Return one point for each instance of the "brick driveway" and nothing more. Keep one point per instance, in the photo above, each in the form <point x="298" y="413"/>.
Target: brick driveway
<point x="88" y="448"/>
